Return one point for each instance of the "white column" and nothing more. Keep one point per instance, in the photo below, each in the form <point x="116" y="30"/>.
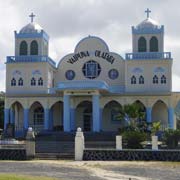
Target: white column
<point x="79" y="145"/>
<point x="119" y="142"/>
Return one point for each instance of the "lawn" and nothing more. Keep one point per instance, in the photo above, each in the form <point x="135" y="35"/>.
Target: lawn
<point x="23" y="177"/>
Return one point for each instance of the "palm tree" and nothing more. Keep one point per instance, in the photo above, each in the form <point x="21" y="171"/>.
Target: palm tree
<point x="132" y="114"/>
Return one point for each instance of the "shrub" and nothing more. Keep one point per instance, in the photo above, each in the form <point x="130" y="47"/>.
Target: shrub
<point x="134" y="139"/>
<point x="171" y="138"/>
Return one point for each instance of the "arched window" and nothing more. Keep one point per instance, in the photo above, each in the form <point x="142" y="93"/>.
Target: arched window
<point x="153" y="44"/>
<point x="163" y="79"/>
<point x="20" y="82"/>
<point x="23" y="49"/>
<point x="34" y="48"/>
<point x="38" y="116"/>
<point x="33" y="81"/>
<point x="13" y="82"/>
<point x="155" y="80"/>
<point x="133" y="80"/>
<point x="40" y="82"/>
<point x="141" y="80"/>
<point x="142" y="45"/>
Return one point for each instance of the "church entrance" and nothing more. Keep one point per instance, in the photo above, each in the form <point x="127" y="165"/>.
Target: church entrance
<point x="84" y="116"/>
<point x="87" y="119"/>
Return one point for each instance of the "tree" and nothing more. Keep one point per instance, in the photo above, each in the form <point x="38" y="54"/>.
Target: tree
<point x="1" y="110"/>
<point x="133" y="115"/>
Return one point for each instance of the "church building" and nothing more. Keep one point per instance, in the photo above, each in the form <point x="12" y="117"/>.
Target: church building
<point x="87" y="86"/>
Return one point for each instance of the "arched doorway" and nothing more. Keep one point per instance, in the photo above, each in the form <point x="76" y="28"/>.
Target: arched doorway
<point x="36" y="119"/>
<point x="177" y="115"/>
<point x="160" y="114"/>
<point x="110" y="120"/>
<point x="17" y="116"/>
<point x="56" y="116"/>
<point x="84" y="116"/>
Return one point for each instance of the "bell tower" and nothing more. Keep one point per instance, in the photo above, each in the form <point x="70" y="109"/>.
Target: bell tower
<point x="148" y="36"/>
<point x="31" y="40"/>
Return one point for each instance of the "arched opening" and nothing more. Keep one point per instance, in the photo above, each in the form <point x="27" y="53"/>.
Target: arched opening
<point x="141" y="80"/>
<point x="34" y="48"/>
<point x="133" y="80"/>
<point x="142" y="111"/>
<point x="177" y="115"/>
<point x="153" y="44"/>
<point x="84" y="116"/>
<point x="36" y="116"/>
<point x="56" y="116"/>
<point x="142" y="45"/>
<point x="23" y="49"/>
<point x="17" y="116"/>
<point x="110" y="117"/>
<point x="160" y="114"/>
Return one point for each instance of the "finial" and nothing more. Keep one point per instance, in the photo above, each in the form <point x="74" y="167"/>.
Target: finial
<point x="148" y="12"/>
<point x="32" y="17"/>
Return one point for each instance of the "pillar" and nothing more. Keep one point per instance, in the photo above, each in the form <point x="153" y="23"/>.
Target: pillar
<point x="79" y="145"/>
<point x="6" y="117"/>
<point x="30" y="144"/>
<point x="11" y="116"/>
<point x="72" y="116"/>
<point x="154" y="142"/>
<point x="118" y="142"/>
<point x="96" y="113"/>
<point x="148" y="114"/>
<point x="100" y="117"/>
<point x="171" y="117"/>
<point x="66" y="114"/>
<point x="26" y="118"/>
<point x="46" y="119"/>
<point x="51" y="119"/>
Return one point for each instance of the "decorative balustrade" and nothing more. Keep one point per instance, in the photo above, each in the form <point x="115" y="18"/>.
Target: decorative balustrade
<point x="33" y="58"/>
<point x="148" y="55"/>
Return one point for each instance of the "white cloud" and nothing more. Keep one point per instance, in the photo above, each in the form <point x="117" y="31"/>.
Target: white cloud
<point x="175" y="83"/>
<point x="68" y="21"/>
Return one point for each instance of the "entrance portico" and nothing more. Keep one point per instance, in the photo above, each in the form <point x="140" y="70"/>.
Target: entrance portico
<point x="92" y="110"/>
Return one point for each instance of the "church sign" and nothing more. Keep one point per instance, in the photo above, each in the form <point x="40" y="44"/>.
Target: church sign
<point x="97" y="53"/>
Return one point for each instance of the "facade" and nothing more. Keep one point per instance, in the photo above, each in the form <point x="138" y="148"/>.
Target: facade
<point x="87" y="86"/>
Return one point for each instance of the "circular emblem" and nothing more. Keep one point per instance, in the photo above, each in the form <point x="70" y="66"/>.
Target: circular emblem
<point x="113" y="74"/>
<point x="70" y="74"/>
<point x="91" y="69"/>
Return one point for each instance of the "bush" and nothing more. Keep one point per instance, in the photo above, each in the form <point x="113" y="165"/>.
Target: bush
<point x="134" y="139"/>
<point x="171" y="138"/>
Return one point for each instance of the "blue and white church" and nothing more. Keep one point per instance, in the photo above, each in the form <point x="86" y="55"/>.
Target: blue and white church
<point x="88" y="85"/>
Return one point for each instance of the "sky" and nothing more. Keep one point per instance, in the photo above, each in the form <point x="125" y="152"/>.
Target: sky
<point x="68" y="21"/>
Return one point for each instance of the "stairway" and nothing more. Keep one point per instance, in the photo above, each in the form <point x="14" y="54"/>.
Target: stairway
<point x="60" y="145"/>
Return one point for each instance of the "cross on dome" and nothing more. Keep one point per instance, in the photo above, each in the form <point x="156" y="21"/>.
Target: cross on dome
<point x="32" y="17"/>
<point x="148" y="12"/>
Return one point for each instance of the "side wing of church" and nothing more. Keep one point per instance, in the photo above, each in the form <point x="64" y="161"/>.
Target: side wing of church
<point x="86" y="87"/>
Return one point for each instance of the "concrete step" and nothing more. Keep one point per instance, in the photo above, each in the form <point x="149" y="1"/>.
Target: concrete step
<point x="54" y="156"/>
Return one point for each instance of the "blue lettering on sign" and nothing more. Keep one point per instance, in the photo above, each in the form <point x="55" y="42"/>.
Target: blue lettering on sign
<point x="97" y="53"/>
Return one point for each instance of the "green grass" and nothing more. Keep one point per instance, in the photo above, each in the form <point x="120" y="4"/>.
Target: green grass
<point x="23" y="177"/>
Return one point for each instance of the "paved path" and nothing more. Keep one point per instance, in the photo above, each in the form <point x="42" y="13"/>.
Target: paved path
<point x="96" y="170"/>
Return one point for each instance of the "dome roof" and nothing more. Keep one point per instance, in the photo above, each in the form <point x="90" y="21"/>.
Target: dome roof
<point x="31" y="28"/>
<point x="92" y="43"/>
<point x="148" y="23"/>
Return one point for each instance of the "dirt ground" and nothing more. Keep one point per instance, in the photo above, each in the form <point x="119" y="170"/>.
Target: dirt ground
<point x="94" y="170"/>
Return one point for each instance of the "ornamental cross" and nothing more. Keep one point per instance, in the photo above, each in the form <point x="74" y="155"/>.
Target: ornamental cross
<point x="32" y="17"/>
<point x="148" y="12"/>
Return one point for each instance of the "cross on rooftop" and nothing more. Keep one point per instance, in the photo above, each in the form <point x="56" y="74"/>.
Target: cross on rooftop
<point x="148" y="12"/>
<point x="32" y="17"/>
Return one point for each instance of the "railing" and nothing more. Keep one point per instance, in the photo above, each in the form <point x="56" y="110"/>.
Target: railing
<point x="148" y="55"/>
<point x="33" y="58"/>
